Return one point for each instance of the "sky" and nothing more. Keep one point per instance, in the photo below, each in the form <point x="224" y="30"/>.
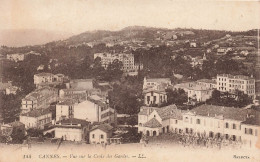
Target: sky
<point x="76" y="16"/>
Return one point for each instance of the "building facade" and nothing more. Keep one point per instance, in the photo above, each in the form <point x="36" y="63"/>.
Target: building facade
<point x="127" y="60"/>
<point x="152" y="121"/>
<point x="93" y="110"/>
<point x="231" y="83"/>
<point x="156" y="83"/>
<point x="40" y="98"/>
<point x="36" y="118"/>
<point x="154" y="97"/>
<point x="100" y="134"/>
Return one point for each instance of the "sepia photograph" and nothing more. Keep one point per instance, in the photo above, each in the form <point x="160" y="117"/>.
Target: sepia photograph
<point x="129" y="80"/>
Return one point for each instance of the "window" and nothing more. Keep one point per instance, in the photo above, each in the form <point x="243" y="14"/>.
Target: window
<point x="227" y="125"/>
<point x="234" y="126"/>
<point x="250" y="131"/>
<point x="176" y="121"/>
<point x="148" y="99"/>
<point x="198" y="121"/>
<point x="93" y="135"/>
<point x="186" y="119"/>
<point x="154" y="99"/>
<point x="226" y="136"/>
<point x="102" y="136"/>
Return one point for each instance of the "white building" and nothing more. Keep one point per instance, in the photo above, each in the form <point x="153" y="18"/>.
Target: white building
<point x="15" y="57"/>
<point x="208" y="83"/>
<point x="196" y="92"/>
<point x="11" y="90"/>
<point x="127" y="60"/>
<point x="231" y="83"/>
<point x="70" y="129"/>
<point x="154" y="97"/>
<point x="80" y="84"/>
<point x="46" y="79"/>
<point x="152" y="120"/>
<point x="250" y="131"/>
<point x="215" y="121"/>
<point x="43" y="78"/>
<point x="40" y="98"/>
<point x="94" y="109"/>
<point x="156" y="83"/>
<point x="100" y="134"/>
<point x="36" y="118"/>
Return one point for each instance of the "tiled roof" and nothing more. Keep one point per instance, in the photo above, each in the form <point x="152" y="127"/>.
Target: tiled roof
<point x="191" y="86"/>
<point x="37" y="112"/>
<point x="68" y="102"/>
<point x="73" y="121"/>
<point x="235" y="76"/>
<point x="170" y="111"/>
<point x="104" y="127"/>
<point x="145" y="110"/>
<point x="166" y="112"/>
<point x="153" y="123"/>
<point x="39" y="93"/>
<point x="226" y="112"/>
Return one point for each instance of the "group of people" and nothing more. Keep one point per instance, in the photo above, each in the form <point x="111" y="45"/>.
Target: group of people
<point x="193" y="140"/>
<point x="203" y="140"/>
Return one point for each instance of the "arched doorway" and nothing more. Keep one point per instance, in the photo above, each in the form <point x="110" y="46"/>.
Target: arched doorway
<point x="154" y="133"/>
<point x="147" y="133"/>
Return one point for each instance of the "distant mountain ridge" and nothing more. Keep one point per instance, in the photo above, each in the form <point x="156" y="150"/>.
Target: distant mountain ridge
<point x="24" y="37"/>
<point x="17" y="38"/>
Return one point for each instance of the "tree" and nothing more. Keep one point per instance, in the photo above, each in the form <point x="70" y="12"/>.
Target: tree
<point x="97" y="70"/>
<point x="114" y="71"/>
<point x="176" y="96"/>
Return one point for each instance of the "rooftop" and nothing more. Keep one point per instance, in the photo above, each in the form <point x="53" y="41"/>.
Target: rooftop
<point x="166" y="112"/>
<point x="68" y="102"/>
<point x="104" y="127"/>
<point x="191" y="86"/>
<point x="73" y="121"/>
<point x="225" y="112"/>
<point x="42" y="92"/>
<point x="153" y="123"/>
<point x="235" y="76"/>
